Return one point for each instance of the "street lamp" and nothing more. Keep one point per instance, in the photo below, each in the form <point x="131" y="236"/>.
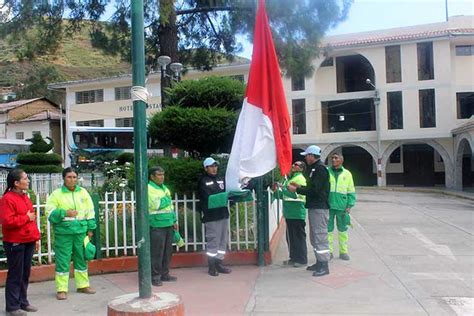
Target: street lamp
<point x="176" y="69"/>
<point x="377" y="128"/>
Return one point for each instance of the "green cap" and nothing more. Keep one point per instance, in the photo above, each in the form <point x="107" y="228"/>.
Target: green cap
<point x="89" y="249"/>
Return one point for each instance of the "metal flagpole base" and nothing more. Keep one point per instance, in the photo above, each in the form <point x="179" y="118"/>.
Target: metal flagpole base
<point x="159" y="304"/>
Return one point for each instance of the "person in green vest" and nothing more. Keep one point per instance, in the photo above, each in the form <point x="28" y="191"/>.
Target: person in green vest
<point x="342" y="198"/>
<point x="162" y="226"/>
<point x="71" y="212"/>
<point x="295" y="216"/>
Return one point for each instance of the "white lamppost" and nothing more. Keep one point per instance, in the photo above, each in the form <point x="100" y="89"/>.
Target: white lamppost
<point x="377" y="128"/>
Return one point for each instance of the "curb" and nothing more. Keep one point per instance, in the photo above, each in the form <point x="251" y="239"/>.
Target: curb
<point x="458" y="194"/>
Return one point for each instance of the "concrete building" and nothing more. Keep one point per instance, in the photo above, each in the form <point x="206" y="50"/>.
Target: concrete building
<point x="410" y="124"/>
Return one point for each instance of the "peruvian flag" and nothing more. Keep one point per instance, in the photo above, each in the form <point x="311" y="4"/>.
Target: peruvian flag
<point x="262" y="137"/>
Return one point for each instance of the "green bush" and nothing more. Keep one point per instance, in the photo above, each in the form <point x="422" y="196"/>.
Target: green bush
<point x="181" y="174"/>
<point x="125" y="157"/>
<point x="30" y="158"/>
<point x="208" y="92"/>
<point x="41" y="168"/>
<point x="196" y="130"/>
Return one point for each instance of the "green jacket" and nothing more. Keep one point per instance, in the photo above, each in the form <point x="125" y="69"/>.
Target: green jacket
<point x="293" y="204"/>
<point x="342" y="194"/>
<point x="160" y="206"/>
<point x="79" y="200"/>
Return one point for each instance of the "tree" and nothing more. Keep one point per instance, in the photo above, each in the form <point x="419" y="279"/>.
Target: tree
<point x="203" y="115"/>
<point x="198" y="33"/>
<point x="35" y="85"/>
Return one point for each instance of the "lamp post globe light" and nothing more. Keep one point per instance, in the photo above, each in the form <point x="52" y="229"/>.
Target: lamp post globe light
<point x="163" y="61"/>
<point x="377" y="128"/>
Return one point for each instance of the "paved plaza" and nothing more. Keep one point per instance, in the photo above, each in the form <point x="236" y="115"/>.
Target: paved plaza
<point x="411" y="254"/>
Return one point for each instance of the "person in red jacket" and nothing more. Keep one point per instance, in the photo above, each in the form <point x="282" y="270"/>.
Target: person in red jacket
<point x="20" y="234"/>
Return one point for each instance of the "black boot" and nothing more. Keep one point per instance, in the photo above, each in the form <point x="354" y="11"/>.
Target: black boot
<point x="314" y="267"/>
<point x="221" y="268"/>
<point x="323" y="269"/>
<point x="212" y="267"/>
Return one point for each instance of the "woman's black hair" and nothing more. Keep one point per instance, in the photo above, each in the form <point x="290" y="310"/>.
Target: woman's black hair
<point x="12" y="177"/>
<point x="67" y="170"/>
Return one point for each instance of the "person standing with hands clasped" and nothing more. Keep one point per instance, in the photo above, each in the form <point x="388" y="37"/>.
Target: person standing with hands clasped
<point x="317" y="193"/>
<point x="71" y="211"/>
<point x="20" y="235"/>
<point x="162" y="226"/>
<point x="342" y="198"/>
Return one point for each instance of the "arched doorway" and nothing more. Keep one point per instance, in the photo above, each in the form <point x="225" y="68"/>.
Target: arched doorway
<point x="360" y="161"/>
<point x="417" y="165"/>
<point x="465" y="161"/>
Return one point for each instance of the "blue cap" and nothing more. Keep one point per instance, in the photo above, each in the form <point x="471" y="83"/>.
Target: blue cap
<point x="209" y="161"/>
<point x="313" y="150"/>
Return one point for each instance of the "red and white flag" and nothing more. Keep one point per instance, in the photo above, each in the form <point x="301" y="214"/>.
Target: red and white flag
<point x="262" y="137"/>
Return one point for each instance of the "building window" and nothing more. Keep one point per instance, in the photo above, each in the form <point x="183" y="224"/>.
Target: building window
<point x="123" y="93"/>
<point x="90" y="96"/>
<point x="124" y="122"/>
<point x="352" y="73"/>
<point x="465" y="50"/>
<point x="396" y="156"/>
<point x="20" y="135"/>
<point x="299" y="116"/>
<point x="425" y="61"/>
<point x="328" y="62"/>
<point x="427" y="108"/>
<point x="348" y="115"/>
<point x="36" y="133"/>
<point x="465" y="104"/>
<point x="297" y="83"/>
<point x="395" y="110"/>
<point x="393" y="66"/>
<point x="93" y="123"/>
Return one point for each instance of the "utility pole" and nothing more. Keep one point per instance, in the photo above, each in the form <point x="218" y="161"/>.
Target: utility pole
<point x="140" y="148"/>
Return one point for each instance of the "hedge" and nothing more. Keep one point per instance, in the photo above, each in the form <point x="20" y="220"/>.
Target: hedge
<point x="41" y="168"/>
<point x="38" y="159"/>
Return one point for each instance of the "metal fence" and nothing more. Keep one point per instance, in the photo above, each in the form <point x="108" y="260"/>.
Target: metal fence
<point x="117" y="218"/>
<point x="44" y="183"/>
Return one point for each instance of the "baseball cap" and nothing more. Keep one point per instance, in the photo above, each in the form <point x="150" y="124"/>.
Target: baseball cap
<point x="209" y="161"/>
<point x="313" y="150"/>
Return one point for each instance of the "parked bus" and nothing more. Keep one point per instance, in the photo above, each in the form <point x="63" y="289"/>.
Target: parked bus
<point x="96" y="140"/>
<point x="9" y="149"/>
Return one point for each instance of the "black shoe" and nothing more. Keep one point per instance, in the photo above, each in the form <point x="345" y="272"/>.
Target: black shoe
<point x="288" y="262"/>
<point x="212" y="267"/>
<point x="221" y="268"/>
<point x="314" y="267"/>
<point x="344" y="256"/>
<point x="169" y="278"/>
<point x="157" y="283"/>
<point x="323" y="270"/>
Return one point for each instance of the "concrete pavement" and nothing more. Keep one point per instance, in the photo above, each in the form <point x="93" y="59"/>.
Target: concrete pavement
<point x="411" y="254"/>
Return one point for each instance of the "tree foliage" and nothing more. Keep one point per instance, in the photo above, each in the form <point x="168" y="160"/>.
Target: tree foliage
<point x="195" y="32"/>
<point x="35" y="85"/>
<point x="207" y="93"/>
<point x="197" y="130"/>
<point x="39" y="145"/>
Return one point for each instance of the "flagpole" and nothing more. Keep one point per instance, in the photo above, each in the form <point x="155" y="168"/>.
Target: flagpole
<point x="260" y="222"/>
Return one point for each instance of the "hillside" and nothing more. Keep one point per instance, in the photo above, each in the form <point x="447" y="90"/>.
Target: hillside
<point x="75" y="59"/>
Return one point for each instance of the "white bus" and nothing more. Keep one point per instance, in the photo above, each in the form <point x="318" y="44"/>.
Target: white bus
<point x="9" y="149"/>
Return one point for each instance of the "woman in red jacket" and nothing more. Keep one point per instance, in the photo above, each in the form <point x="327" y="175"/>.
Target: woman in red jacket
<point x="20" y="234"/>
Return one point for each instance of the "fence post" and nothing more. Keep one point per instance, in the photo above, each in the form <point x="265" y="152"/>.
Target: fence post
<point x="95" y="200"/>
<point x="260" y="222"/>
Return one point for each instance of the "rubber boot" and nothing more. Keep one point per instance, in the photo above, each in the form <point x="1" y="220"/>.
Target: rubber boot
<point x="212" y="267"/>
<point x="221" y="268"/>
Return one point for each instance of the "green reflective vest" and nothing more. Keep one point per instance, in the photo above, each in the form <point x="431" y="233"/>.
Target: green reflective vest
<point x="160" y="206"/>
<point x="293" y="204"/>
<point x="62" y="200"/>
<point x="342" y="194"/>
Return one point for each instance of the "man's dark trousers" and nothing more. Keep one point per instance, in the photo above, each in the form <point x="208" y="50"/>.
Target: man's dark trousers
<point x="19" y="257"/>
<point x="296" y="238"/>
<point x="161" y="249"/>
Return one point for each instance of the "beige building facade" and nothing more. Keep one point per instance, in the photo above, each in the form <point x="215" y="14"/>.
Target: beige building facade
<point x="409" y="125"/>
